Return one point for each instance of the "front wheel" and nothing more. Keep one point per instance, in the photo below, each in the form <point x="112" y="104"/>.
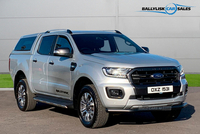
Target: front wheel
<point x="90" y="109"/>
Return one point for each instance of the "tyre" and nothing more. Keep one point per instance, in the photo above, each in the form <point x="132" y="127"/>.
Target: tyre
<point x="24" y="96"/>
<point x="91" y="112"/>
<point x="166" y="115"/>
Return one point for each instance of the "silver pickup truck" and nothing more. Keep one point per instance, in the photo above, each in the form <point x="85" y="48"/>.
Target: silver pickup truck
<point x="96" y="73"/>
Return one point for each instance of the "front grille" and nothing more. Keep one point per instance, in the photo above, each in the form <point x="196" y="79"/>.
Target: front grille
<point x="143" y="76"/>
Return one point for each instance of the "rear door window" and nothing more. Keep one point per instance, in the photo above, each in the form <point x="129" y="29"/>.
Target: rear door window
<point x="25" y="44"/>
<point x="46" y="44"/>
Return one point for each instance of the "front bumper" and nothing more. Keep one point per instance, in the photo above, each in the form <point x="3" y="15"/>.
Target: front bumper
<point x="163" y="107"/>
<point x="127" y="102"/>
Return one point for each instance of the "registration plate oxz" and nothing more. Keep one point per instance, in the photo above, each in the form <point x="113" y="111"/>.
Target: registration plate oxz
<point x="160" y="89"/>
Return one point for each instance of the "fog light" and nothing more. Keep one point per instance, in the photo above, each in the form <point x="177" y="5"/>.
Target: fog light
<point x="115" y="92"/>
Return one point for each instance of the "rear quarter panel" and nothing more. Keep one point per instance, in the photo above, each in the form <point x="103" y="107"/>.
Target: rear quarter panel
<point x="20" y="63"/>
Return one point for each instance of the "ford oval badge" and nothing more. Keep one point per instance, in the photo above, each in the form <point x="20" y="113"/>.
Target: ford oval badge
<point x="157" y="76"/>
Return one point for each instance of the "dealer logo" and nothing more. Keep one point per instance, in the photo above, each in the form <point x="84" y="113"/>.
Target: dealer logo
<point x="169" y="9"/>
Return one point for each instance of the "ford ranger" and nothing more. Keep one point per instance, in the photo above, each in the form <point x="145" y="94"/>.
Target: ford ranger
<point x="96" y="73"/>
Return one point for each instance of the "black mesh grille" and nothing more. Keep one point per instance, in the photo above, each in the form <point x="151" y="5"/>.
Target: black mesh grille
<point x="143" y="76"/>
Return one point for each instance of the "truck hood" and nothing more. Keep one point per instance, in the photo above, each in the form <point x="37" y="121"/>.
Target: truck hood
<point x="131" y="60"/>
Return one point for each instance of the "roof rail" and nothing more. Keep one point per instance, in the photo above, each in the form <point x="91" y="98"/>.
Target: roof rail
<point x="118" y="32"/>
<point x="47" y="32"/>
<point x="55" y="30"/>
<point x="69" y="31"/>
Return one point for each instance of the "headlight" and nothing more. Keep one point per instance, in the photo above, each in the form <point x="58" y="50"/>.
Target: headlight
<point x="116" y="72"/>
<point x="180" y="69"/>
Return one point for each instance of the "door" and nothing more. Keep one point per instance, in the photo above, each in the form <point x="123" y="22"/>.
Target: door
<point x="59" y="74"/>
<point x="39" y="63"/>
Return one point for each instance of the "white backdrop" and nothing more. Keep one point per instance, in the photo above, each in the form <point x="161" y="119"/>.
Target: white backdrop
<point x="176" y="36"/>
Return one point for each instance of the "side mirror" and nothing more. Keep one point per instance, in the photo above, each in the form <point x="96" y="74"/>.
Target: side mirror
<point x="146" y="49"/>
<point x="65" y="52"/>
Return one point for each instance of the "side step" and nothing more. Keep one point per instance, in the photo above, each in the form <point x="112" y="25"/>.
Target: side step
<point x="54" y="101"/>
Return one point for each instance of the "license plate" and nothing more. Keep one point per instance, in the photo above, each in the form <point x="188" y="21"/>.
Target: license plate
<point x="165" y="108"/>
<point x="160" y="89"/>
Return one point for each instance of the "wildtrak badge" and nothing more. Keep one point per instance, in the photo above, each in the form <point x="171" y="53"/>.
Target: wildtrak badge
<point x="169" y="9"/>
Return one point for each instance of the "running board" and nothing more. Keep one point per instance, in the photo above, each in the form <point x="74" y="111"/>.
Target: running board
<point x="64" y="103"/>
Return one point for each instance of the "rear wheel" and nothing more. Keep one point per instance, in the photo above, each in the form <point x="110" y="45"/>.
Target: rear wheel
<point x="166" y="115"/>
<point x="90" y="109"/>
<point x="24" y="96"/>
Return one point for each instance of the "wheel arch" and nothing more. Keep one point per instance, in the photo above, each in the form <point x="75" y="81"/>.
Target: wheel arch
<point x="78" y="86"/>
<point x="19" y="75"/>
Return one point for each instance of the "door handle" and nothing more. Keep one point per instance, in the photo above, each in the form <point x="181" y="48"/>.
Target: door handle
<point x="51" y="62"/>
<point x="35" y="60"/>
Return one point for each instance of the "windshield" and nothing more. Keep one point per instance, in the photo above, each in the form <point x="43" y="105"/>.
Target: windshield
<point x="105" y="43"/>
